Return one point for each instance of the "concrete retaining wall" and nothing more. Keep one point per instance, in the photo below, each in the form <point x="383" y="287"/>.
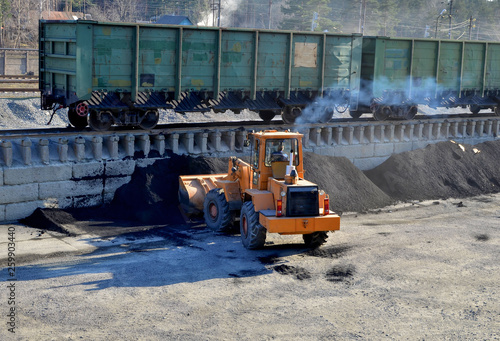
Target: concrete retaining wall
<point x="86" y="169"/>
<point x="369" y="145"/>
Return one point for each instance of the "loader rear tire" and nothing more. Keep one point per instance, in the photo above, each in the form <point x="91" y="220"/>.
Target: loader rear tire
<point x="315" y="239"/>
<point x="253" y="234"/>
<point x="216" y="211"/>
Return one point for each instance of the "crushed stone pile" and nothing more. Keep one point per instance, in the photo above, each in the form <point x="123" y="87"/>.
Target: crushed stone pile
<point x="442" y="170"/>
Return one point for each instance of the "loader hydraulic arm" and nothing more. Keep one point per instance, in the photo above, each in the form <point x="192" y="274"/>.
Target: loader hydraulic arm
<point x="240" y="170"/>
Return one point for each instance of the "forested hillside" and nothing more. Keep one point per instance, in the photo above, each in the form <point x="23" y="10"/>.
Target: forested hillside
<point x="455" y="19"/>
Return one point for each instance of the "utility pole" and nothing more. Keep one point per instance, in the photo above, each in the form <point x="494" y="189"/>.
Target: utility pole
<point x="218" y="15"/>
<point x="270" y="7"/>
<point x="314" y="22"/>
<point x="471" y="26"/>
<point x="450" y="15"/>
<point x="437" y="21"/>
<point x="362" y="13"/>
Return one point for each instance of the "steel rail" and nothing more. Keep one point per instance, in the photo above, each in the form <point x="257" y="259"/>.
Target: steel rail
<point x="172" y="128"/>
<point x="19" y="77"/>
<point x="18" y="81"/>
<point x="19" y="89"/>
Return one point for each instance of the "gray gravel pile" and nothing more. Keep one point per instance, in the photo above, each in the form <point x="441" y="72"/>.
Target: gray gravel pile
<point x="19" y="113"/>
<point x="442" y="170"/>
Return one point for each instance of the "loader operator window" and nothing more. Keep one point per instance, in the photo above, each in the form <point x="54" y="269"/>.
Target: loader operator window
<point x="281" y="150"/>
<point x="255" y="154"/>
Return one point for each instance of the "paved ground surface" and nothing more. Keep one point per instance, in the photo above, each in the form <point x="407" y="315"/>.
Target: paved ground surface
<point x="428" y="270"/>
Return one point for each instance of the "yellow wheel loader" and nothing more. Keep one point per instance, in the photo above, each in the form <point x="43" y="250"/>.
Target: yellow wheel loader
<point x="269" y="194"/>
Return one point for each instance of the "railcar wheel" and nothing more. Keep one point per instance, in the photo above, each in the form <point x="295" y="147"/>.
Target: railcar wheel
<point x="266" y="115"/>
<point x="410" y="112"/>
<point x="355" y="114"/>
<point x="315" y="239"/>
<point x="82" y="109"/>
<point x="342" y="108"/>
<point x="382" y="113"/>
<point x="326" y="115"/>
<point x="77" y="121"/>
<point x="253" y="234"/>
<point x="474" y="108"/>
<point x="216" y="211"/>
<point x="150" y="119"/>
<point x="100" y="121"/>
<point x="290" y="114"/>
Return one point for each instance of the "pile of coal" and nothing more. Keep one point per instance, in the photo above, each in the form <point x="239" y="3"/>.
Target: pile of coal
<point x="439" y="171"/>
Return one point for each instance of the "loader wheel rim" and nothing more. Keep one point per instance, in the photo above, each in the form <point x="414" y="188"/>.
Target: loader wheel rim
<point x="245" y="226"/>
<point x="213" y="211"/>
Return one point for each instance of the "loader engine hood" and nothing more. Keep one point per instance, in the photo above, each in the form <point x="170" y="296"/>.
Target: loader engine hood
<point x="302" y="201"/>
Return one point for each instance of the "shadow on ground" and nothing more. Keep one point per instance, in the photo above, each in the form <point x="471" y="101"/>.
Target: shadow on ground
<point x="165" y="255"/>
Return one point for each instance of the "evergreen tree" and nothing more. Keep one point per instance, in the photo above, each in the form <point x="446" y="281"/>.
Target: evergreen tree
<point x="384" y="19"/>
<point x="300" y="16"/>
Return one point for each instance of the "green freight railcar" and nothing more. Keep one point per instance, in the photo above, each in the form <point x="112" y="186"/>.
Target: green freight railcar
<point x="399" y="74"/>
<point x="118" y="73"/>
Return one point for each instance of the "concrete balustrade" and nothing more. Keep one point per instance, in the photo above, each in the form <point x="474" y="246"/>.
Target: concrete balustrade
<point x="368" y="145"/>
<point x="159" y="144"/>
<point x="86" y="169"/>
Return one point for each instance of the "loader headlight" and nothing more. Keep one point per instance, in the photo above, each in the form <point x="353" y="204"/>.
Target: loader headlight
<point x="283" y="194"/>
<point x="321" y="192"/>
<point x="255" y="178"/>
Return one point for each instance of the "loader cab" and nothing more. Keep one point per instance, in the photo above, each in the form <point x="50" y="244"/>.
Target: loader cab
<point x="271" y="152"/>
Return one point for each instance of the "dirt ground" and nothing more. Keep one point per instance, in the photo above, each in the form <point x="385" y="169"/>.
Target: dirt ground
<point x="134" y="270"/>
<point x="428" y="270"/>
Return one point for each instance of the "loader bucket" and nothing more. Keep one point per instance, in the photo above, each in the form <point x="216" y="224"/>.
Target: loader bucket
<point x="194" y="188"/>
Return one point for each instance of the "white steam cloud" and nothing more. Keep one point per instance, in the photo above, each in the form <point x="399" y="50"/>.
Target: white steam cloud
<point x="394" y="93"/>
<point x="228" y="7"/>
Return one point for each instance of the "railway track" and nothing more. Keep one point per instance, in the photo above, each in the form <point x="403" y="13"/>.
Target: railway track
<point x="207" y="127"/>
<point x="20" y="77"/>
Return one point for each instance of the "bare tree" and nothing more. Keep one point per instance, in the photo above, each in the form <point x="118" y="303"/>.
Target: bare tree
<point x="117" y="10"/>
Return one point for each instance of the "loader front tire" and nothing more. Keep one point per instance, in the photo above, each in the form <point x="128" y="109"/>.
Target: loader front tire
<point x="315" y="239"/>
<point x="216" y="211"/>
<point x="253" y="234"/>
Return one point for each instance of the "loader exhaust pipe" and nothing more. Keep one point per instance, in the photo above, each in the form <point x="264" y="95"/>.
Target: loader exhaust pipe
<point x="291" y="174"/>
